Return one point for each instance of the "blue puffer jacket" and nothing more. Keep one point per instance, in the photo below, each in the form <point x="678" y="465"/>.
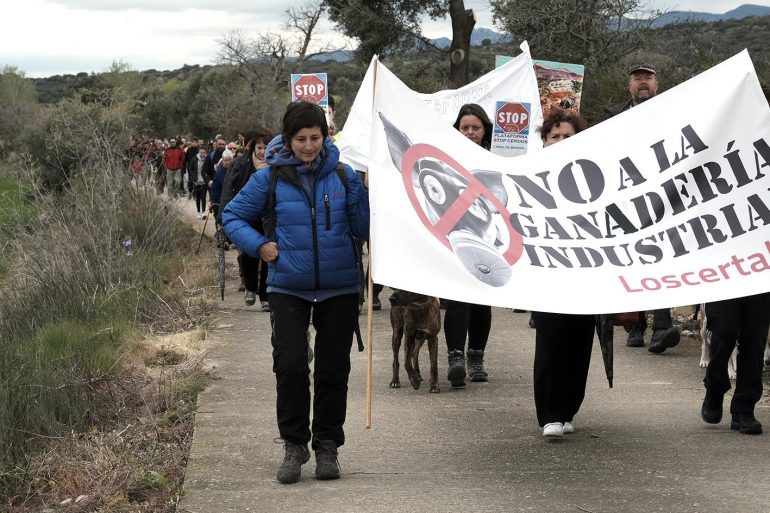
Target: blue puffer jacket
<point x="315" y="252"/>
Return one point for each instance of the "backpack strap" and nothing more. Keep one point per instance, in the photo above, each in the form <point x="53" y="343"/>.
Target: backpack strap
<point x="268" y="219"/>
<point x="343" y="175"/>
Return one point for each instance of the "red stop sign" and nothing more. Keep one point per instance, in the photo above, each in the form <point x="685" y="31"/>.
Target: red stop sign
<point x="512" y="118"/>
<point x="309" y="88"/>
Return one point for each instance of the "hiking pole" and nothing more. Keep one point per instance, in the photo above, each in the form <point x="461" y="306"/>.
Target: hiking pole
<point x="203" y="232"/>
<point x="221" y="241"/>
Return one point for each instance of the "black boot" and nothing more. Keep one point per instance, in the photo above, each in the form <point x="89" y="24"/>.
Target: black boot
<point x="711" y="411"/>
<point x="746" y="423"/>
<point x="326" y="464"/>
<point x="294" y="457"/>
<point x="456" y="372"/>
<point x="475" y="364"/>
<point x="635" y="336"/>
<point x="663" y="339"/>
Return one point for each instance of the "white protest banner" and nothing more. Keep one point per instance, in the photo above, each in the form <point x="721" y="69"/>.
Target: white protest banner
<point x="665" y="204"/>
<point x="514" y="81"/>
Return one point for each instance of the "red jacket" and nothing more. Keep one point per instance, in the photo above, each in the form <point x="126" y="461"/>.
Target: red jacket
<point x="173" y="158"/>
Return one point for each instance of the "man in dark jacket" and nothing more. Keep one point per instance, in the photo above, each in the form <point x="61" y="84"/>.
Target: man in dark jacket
<point x="213" y="159"/>
<point x="643" y="85"/>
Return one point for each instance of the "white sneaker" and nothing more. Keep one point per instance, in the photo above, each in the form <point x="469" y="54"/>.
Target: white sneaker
<point x="569" y="428"/>
<point x="199" y="215"/>
<point x="553" y="430"/>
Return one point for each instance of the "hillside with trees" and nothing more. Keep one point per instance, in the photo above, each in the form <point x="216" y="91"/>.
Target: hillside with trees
<point x="205" y="99"/>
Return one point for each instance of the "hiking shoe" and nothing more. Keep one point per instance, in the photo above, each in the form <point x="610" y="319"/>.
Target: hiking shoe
<point x="663" y="339"/>
<point x="250" y="298"/>
<point x="475" y="365"/>
<point x="553" y="430"/>
<point x="294" y="457"/>
<point x="326" y="464"/>
<point x="456" y="372"/>
<point x="711" y="411"/>
<point x="635" y="337"/>
<point x="746" y="423"/>
<point x="568" y="428"/>
<point x="376" y="303"/>
<point x="265" y="306"/>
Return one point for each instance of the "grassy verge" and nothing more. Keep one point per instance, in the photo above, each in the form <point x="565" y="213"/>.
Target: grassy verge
<point x="89" y="411"/>
<point x="15" y="213"/>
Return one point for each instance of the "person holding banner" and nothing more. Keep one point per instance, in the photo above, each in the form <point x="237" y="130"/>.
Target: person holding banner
<point x="743" y="321"/>
<point x="563" y="342"/>
<point x="643" y="85"/>
<point x="465" y="320"/>
<point x="312" y="207"/>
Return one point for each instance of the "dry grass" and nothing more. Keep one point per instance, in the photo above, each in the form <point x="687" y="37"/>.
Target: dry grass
<point x="135" y="462"/>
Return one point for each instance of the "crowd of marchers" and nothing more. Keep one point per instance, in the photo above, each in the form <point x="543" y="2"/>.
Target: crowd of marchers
<point x="299" y="217"/>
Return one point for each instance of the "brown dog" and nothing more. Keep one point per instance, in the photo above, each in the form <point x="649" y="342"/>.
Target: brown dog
<point x="419" y="319"/>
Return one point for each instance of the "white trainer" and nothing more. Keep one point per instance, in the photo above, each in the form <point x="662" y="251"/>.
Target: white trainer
<point x="553" y="430"/>
<point x="569" y="428"/>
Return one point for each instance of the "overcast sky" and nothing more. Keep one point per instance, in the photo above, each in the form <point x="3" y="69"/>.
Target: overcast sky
<point x="49" y="37"/>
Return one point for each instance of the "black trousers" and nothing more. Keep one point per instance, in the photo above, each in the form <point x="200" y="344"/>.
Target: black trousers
<point x="562" y="355"/>
<point x="199" y="192"/>
<point x="463" y="320"/>
<point x="743" y="320"/>
<point x="254" y="273"/>
<point x="661" y="320"/>
<point x="334" y="321"/>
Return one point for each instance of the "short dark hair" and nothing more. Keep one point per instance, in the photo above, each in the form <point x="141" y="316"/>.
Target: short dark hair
<point x="301" y="115"/>
<point x="558" y="116"/>
<point x="261" y="135"/>
<point x="473" y="109"/>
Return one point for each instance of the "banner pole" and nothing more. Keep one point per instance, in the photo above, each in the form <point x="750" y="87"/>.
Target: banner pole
<point x="369" y="297"/>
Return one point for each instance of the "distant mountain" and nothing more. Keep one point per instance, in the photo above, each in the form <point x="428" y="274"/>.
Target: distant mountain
<point x="477" y="37"/>
<point x="338" y="56"/>
<point x="694" y="16"/>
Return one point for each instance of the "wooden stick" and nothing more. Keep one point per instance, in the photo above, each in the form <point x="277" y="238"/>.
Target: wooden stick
<point x="370" y="297"/>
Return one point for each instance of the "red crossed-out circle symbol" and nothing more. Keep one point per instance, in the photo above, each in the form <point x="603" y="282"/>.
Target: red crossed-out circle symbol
<point x="309" y="88"/>
<point x="512" y="118"/>
<point x="455" y="212"/>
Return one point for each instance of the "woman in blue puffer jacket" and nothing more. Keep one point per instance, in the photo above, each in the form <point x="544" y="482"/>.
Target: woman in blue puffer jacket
<point x="313" y="270"/>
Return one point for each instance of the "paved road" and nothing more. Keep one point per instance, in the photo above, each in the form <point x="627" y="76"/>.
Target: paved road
<point x="639" y="447"/>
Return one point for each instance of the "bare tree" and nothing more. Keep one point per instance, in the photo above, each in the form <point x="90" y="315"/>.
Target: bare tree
<point x="387" y="27"/>
<point x="463" y="21"/>
<point x="252" y="54"/>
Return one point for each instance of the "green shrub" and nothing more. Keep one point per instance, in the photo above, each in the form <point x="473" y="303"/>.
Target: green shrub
<point x="74" y="292"/>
